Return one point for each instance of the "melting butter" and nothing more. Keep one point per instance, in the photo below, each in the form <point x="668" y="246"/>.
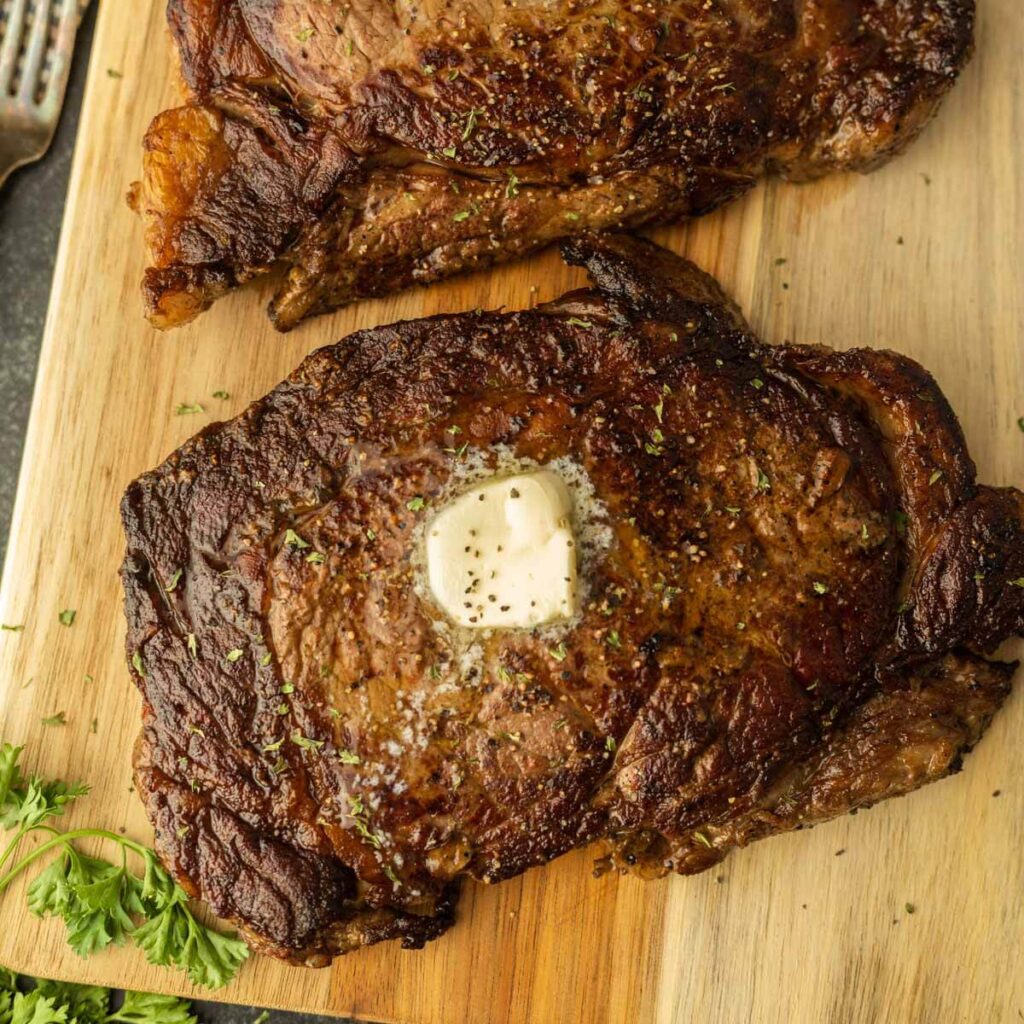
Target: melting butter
<point x="503" y="553"/>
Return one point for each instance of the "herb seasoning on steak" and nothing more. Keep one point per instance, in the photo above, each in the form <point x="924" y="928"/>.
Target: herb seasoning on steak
<point x="787" y="588"/>
<point x="366" y="147"/>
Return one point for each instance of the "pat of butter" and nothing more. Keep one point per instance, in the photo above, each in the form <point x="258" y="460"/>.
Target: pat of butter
<point x="504" y="554"/>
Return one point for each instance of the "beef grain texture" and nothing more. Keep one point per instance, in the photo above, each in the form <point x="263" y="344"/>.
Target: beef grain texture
<point x="363" y="148"/>
<point x="788" y="622"/>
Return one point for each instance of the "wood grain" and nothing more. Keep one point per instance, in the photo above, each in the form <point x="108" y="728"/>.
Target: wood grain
<point x="923" y="256"/>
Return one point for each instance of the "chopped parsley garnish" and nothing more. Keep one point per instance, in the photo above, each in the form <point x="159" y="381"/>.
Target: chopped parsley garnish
<point x="1018" y="582"/>
<point x="11" y="629"/>
<point x="191" y="641"/>
<point x="1020" y="424"/>
<point x="293" y="540"/>
<point x="266" y="659"/>
<point x="460" y="216"/>
<point x="449" y="151"/>
<point x="577" y="322"/>
<point x="348" y="757"/>
<point x="234" y="654"/>
<point x="612" y="639"/>
<point x="935" y="477"/>
<point x="558" y="653"/>
<point x="512" y="190"/>
<point x="390" y="872"/>
<point x="221" y="394"/>
<point x="174" y="580"/>
<point x="271" y="747"/>
<point x="138" y="665"/>
<point x="659" y="408"/>
<point x="316" y="558"/>
<point x="60" y="718"/>
<point x="287" y="688"/>
<point x="415" y="504"/>
<point x="610" y="744"/>
<point x="470" y="123"/>
<point x="819" y="588"/>
<point x="702" y="839"/>
<point x="571" y="215"/>
<point x="763" y="483"/>
<point x="67" y="617"/>
<point x="187" y="408"/>
<point x="757" y="383"/>
<point x="305" y="34"/>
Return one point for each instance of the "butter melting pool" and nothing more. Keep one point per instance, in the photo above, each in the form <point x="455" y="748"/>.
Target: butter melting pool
<point x="503" y="553"/>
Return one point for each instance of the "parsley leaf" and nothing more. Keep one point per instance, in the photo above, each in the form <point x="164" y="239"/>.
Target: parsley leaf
<point x="67" y="617"/>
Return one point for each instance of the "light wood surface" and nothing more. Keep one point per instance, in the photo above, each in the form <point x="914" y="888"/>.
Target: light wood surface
<point x="924" y="256"/>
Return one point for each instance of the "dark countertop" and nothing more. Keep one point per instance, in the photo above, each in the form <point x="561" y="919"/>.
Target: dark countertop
<point x="31" y="207"/>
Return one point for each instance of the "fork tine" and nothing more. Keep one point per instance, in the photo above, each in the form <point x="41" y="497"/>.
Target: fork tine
<point x="11" y="44"/>
<point x="63" y="47"/>
<point x="35" y="50"/>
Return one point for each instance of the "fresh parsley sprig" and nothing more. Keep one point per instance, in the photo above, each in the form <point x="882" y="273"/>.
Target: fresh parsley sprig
<point x="56" y="1002"/>
<point x="104" y="903"/>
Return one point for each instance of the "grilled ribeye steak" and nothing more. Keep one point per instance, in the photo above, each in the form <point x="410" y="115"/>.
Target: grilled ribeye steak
<point x="366" y="147"/>
<point x="786" y="618"/>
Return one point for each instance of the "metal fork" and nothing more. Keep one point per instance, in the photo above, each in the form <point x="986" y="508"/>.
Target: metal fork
<point x="37" y="38"/>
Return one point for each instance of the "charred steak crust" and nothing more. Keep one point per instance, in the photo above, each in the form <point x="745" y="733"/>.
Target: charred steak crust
<point x="377" y="145"/>
<point x="789" y="619"/>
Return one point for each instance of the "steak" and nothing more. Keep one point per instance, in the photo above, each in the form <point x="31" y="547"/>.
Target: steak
<point x="363" y="148"/>
<point x="789" y="583"/>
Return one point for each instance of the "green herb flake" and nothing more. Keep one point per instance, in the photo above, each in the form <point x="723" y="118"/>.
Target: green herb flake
<point x="11" y="629"/>
<point x="266" y="659"/>
<point x="415" y="504"/>
<point x="470" y="127"/>
<point x="173" y="582"/>
<point x="559" y="653"/>
<point x="909" y="908"/>
<point x="60" y="718"/>
<point x="283" y="708"/>
<point x="67" y="617"/>
<point x="187" y="408"/>
<point x="293" y="540"/>
<point x="819" y="588"/>
<point x="659" y="409"/>
<point x="1018" y="582"/>
<point x="577" y="322"/>
<point x="305" y="34"/>
<point x="114" y="73"/>
<point x="348" y="757"/>
<point x="138" y="665"/>
<point x="460" y="216"/>
<point x="221" y="394"/>
<point x="610" y="744"/>
<point x="316" y="558"/>
<point x="390" y="872"/>
<point x="702" y="839"/>
<point x="512" y="190"/>
<point x="613" y="639"/>
<point x="449" y="151"/>
<point x="287" y="688"/>
<point x="763" y="483"/>
<point x="757" y="383"/>
<point x="571" y="215"/>
<point x="935" y="477"/>
<point x="234" y="654"/>
<point x="270" y="748"/>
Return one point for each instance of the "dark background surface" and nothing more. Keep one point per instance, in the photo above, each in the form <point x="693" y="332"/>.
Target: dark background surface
<point x="31" y="208"/>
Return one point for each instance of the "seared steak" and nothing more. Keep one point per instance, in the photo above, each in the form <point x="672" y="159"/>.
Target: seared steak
<point x="790" y="582"/>
<point x="367" y="147"/>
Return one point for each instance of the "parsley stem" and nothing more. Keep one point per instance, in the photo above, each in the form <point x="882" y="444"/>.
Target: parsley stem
<point x="63" y="839"/>
<point x="21" y="833"/>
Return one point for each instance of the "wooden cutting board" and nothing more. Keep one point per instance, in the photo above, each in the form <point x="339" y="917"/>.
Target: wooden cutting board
<point x="924" y="256"/>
